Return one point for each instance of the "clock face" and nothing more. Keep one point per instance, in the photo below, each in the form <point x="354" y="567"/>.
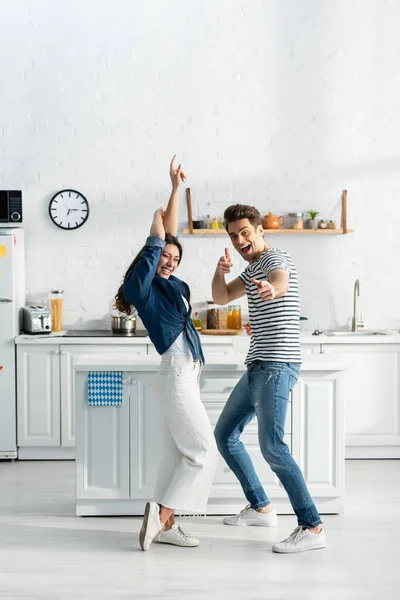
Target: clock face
<point x="69" y="209"/>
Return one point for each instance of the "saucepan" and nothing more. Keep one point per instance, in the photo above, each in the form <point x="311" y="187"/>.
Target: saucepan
<point x="123" y="324"/>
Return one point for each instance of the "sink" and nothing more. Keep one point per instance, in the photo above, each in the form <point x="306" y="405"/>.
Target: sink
<point x="356" y="333"/>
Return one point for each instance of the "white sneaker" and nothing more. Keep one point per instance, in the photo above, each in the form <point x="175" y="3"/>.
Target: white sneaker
<point x="151" y="525"/>
<point x="249" y="516"/>
<point x="301" y="540"/>
<point x="177" y="537"/>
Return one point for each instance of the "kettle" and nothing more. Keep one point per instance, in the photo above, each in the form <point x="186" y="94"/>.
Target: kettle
<point x="271" y="221"/>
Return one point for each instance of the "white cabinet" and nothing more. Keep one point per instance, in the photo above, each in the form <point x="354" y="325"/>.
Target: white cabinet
<point x="46" y="395"/>
<point x="372" y="399"/>
<point x="38" y="393"/>
<point x="118" y="448"/>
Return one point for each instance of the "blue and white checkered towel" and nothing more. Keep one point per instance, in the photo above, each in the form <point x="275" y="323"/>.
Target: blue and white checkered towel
<point x="105" y="388"/>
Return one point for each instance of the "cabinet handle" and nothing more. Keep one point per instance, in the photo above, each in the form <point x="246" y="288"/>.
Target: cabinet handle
<point x="125" y="381"/>
<point x="63" y="352"/>
<point x="55" y="351"/>
<point x="134" y="381"/>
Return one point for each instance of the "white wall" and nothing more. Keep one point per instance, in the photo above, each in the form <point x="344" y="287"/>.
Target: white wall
<point x="277" y="104"/>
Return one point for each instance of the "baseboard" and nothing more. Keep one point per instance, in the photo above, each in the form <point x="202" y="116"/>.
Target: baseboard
<point x="369" y="452"/>
<point x="46" y="453"/>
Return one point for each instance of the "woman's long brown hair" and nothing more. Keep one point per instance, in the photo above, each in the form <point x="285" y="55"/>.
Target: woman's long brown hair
<point x="119" y="301"/>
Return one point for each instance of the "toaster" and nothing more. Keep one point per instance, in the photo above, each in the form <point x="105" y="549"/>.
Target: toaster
<point x="36" y="319"/>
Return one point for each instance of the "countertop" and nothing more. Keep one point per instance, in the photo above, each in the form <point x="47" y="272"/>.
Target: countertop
<point x="238" y="341"/>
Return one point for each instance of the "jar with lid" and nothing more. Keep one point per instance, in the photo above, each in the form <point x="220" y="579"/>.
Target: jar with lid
<point x="323" y="224"/>
<point x="56" y="307"/>
<point x="234" y="320"/>
<point x="296" y="220"/>
<point x="212" y="316"/>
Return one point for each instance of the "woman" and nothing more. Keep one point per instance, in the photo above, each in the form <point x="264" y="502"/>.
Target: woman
<point x="163" y="303"/>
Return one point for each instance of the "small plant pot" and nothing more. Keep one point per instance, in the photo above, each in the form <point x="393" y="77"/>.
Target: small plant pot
<point x="312" y="224"/>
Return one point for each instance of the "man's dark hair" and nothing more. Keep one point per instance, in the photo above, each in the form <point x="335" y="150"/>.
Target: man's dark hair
<point x="235" y="212"/>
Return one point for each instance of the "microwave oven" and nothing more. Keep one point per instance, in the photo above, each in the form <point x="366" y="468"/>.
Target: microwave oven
<point x="10" y="207"/>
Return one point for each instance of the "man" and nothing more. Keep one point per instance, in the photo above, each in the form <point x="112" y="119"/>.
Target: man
<point x="273" y="366"/>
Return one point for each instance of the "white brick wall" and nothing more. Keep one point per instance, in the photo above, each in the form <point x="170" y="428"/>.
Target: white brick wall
<point x="278" y="104"/>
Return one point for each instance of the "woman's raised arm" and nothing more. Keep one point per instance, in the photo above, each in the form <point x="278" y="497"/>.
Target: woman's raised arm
<point x="171" y="214"/>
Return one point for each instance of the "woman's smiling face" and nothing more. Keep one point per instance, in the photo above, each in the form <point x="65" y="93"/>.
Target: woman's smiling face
<point x="169" y="260"/>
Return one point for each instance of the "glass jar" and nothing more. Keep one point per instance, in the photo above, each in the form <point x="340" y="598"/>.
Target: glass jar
<point x="212" y="316"/>
<point x="234" y="320"/>
<point x="323" y="224"/>
<point x="56" y="308"/>
<point x="223" y="318"/>
<point x="296" y="220"/>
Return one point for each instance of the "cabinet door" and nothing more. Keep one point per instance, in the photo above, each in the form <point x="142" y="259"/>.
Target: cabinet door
<point x="215" y="390"/>
<point x="318" y="435"/>
<point x="38" y="393"/>
<point x="146" y="434"/>
<point x="102" y="446"/>
<point x="68" y="354"/>
<point x="372" y="399"/>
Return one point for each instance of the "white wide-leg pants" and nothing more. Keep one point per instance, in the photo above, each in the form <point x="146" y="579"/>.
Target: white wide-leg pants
<point x="190" y="453"/>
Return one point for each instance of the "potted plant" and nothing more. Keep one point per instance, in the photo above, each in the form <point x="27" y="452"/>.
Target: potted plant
<point x="313" y="223"/>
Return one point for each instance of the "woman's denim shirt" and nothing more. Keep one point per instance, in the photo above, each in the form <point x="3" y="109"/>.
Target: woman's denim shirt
<point x="159" y="302"/>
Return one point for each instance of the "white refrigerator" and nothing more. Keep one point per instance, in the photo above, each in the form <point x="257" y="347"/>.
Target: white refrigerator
<point x="12" y="298"/>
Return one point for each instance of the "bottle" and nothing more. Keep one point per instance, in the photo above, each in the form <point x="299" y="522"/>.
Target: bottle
<point x="221" y="223"/>
<point x="56" y="307"/>
<point x="209" y="222"/>
<point x="197" y="321"/>
<point x="215" y="223"/>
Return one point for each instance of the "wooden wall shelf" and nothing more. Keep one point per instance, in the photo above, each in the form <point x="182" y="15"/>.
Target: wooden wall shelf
<point x="273" y="231"/>
<point x="343" y="224"/>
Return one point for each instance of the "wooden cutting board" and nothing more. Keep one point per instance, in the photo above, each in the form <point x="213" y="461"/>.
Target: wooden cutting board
<point x="220" y="332"/>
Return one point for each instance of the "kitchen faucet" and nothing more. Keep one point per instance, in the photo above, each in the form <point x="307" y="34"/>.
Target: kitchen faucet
<point x="355" y="322"/>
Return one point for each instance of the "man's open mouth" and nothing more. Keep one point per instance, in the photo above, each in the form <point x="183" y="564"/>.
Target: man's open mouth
<point x="245" y="249"/>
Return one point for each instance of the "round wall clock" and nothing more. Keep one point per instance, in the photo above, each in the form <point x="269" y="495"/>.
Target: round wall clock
<point x="69" y="209"/>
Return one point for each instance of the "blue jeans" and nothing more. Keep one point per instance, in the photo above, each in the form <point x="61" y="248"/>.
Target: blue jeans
<point x="264" y="391"/>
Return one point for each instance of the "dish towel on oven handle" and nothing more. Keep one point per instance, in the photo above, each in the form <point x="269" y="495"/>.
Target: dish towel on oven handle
<point x="105" y="388"/>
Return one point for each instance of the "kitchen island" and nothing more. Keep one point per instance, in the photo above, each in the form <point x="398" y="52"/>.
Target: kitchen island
<point x="118" y="447"/>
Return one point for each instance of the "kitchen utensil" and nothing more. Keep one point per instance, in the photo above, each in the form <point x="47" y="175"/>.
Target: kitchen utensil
<point x="189" y="209"/>
<point x="271" y="221"/>
<point x="123" y="324"/>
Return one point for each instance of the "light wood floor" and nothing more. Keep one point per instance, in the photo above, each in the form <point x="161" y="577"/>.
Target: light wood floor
<point x="46" y="553"/>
